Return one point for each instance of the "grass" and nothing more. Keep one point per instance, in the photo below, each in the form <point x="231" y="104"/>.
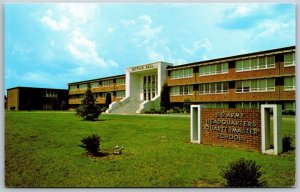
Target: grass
<point x="41" y="150"/>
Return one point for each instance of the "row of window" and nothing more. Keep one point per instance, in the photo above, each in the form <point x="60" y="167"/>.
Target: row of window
<point x="182" y="73"/>
<point x="288" y="105"/>
<point x="255" y="85"/>
<point x="182" y="90"/>
<point x="213" y="69"/>
<point x="119" y="94"/>
<point x="255" y="63"/>
<point x="263" y="62"/>
<point x="50" y="94"/>
<point x="106" y="83"/>
<point x="212" y="88"/>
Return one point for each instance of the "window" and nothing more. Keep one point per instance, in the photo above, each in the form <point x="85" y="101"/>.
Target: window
<point x="247" y="105"/>
<point x="216" y="105"/>
<point x="83" y="86"/>
<point x="213" y="69"/>
<point x="264" y="62"/>
<point x="290" y="106"/>
<point x="182" y="73"/>
<point x="289" y="59"/>
<point x="73" y="87"/>
<point x="107" y="83"/>
<point x="289" y="83"/>
<point x="213" y="88"/>
<point x="94" y="84"/>
<point x="105" y="93"/>
<point x="96" y="95"/>
<point x="255" y="85"/>
<point x="120" y="94"/>
<point x="182" y="90"/>
<point x="50" y="94"/>
<point x="81" y="97"/>
<point x="120" y="81"/>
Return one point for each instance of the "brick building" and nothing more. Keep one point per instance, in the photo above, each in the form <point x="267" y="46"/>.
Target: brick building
<point x="240" y="81"/>
<point x="114" y="85"/>
<point x="29" y="98"/>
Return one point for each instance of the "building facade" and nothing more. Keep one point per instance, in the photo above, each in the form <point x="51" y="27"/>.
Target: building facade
<point x="29" y="98"/>
<point x="241" y="81"/>
<point x="114" y="85"/>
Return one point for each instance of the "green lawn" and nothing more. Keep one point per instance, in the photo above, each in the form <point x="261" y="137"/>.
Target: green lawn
<point x="41" y="150"/>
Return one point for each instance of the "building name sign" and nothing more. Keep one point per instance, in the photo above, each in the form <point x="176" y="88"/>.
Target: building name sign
<point x="231" y="126"/>
<point x="143" y="67"/>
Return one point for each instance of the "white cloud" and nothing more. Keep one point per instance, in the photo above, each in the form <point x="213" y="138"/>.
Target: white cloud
<point x="38" y="77"/>
<point x="270" y="27"/>
<point x="146" y="19"/>
<point x="128" y="23"/>
<point x="179" y="61"/>
<point x="52" y="43"/>
<point x="84" y="50"/>
<point x="56" y="25"/>
<point x="243" y="10"/>
<point x="79" y="12"/>
<point x="204" y="44"/>
<point x="110" y="30"/>
<point x="145" y="31"/>
<point x="154" y="56"/>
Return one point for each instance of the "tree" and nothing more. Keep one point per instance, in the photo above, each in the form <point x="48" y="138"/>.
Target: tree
<point x="165" y="97"/>
<point x="107" y="100"/>
<point x="88" y="110"/>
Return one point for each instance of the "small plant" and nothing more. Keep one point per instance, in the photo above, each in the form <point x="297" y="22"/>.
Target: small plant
<point x="91" y="144"/>
<point x="12" y="108"/>
<point x="243" y="173"/>
<point x="286" y="143"/>
<point x="187" y="105"/>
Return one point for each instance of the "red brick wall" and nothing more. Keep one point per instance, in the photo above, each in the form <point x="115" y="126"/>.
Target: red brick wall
<point x="248" y="128"/>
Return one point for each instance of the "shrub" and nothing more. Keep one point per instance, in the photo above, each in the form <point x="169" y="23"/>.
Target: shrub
<point x="187" y="105"/>
<point x="91" y="144"/>
<point x="243" y="173"/>
<point x="88" y="110"/>
<point x="165" y="97"/>
<point x="286" y="143"/>
<point x="103" y="109"/>
<point x="107" y="100"/>
<point x="12" y="108"/>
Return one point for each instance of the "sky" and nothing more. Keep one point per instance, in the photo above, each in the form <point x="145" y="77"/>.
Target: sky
<point x="51" y="45"/>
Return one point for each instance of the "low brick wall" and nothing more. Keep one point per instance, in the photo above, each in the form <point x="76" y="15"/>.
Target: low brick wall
<point x="238" y="128"/>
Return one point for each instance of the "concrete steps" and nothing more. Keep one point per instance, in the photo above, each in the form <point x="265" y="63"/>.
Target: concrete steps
<point x="131" y="107"/>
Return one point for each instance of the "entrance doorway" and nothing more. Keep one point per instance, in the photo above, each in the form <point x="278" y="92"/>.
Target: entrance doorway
<point x="149" y="87"/>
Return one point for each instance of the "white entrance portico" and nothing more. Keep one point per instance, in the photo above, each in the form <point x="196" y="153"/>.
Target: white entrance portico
<point x="143" y="87"/>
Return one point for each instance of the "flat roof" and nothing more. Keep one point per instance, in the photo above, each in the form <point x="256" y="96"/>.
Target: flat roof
<point x="98" y="79"/>
<point x="224" y="59"/>
<point x="20" y="87"/>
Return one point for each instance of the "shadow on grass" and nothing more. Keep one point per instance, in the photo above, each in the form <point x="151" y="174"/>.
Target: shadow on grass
<point x="98" y="155"/>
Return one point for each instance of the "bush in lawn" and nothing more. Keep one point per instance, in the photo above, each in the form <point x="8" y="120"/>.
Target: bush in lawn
<point x="91" y="144"/>
<point x="88" y="110"/>
<point x="243" y="173"/>
<point x="12" y="108"/>
<point x="107" y="100"/>
<point x="165" y="97"/>
<point x="286" y="143"/>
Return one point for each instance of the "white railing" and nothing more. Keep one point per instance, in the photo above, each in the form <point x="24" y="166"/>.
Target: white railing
<point x="116" y="104"/>
<point x="149" y="105"/>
